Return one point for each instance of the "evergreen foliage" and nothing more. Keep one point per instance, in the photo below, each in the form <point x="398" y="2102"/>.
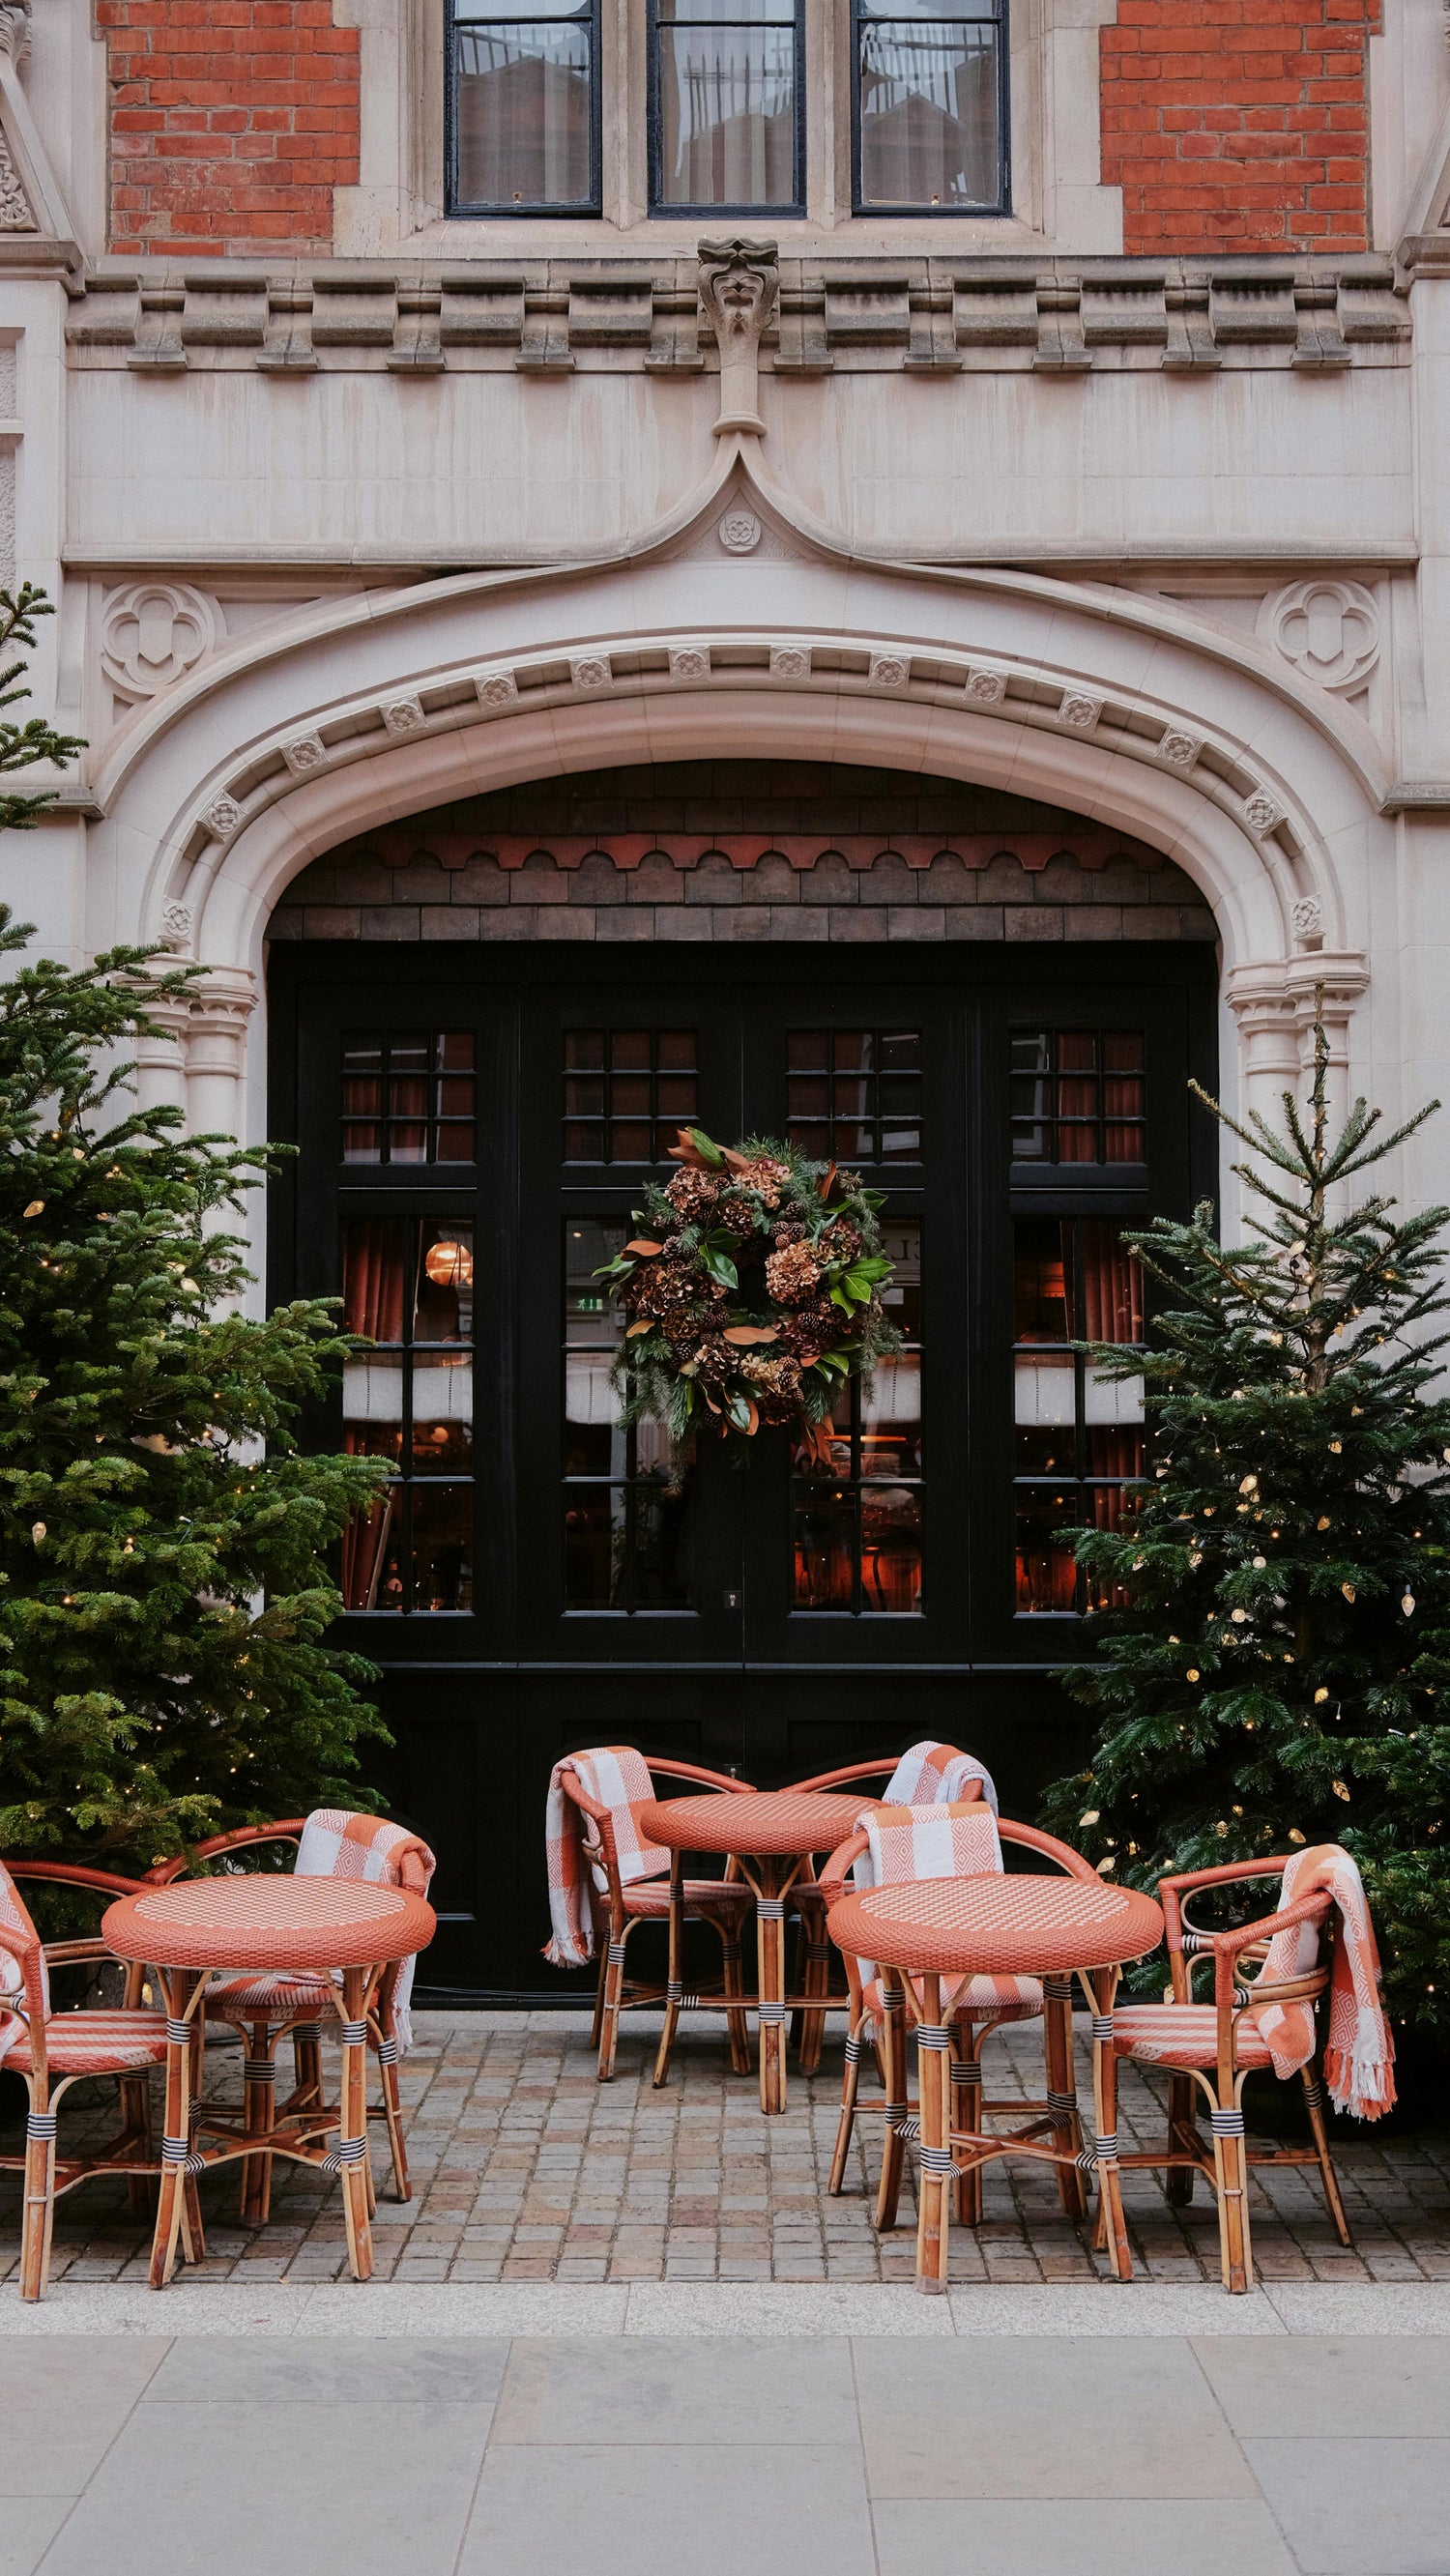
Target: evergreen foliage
<point x="23" y="745"/>
<point x="1279" y="1672"/>
<point x="164" y="1596"/>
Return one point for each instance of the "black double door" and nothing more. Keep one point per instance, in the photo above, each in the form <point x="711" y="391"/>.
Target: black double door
<point x="471" y="1147"/>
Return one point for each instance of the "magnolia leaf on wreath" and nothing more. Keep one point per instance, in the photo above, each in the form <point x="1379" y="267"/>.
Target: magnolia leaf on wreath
<point x="755" y="1294"/>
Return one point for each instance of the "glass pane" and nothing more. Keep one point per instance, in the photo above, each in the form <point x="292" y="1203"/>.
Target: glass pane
<point x="372" y="1564"/>
<point x="891" y="1548"/>
<point x="891" y="1420"/>
<point x="929" y="108"/>
<point x="594" y="1444"/>
<point x="443" y="1310"/>
<point x="440" y="1448"/>
<point x="1046" y="1571"/>
<point x="727" y="115"/>
<point x="854" y="1095"/>
<point x="825" y="1547"/>
<point x="375" y="1256"/>
<point x="1045" y="1394"/>
<point x="442" y="1547"/>
<point x="1077" y="1096"/>
<point x="594" y="1535"/>
<point x="1112" y="1281"/>
<point x="397" y="1085"/>
<point x="626" y="1091"/>
<point x="1042" y="1281"/>
<point x="660" y="1580"/>
<point x="523" y="113"/>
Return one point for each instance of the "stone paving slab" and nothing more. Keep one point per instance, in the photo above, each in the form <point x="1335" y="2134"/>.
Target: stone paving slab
<point x="527" y="2171"/>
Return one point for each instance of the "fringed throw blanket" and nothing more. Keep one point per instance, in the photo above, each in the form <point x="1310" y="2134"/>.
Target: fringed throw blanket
<point x="616" y="1777"/>
<point x="1359" y="2055"/>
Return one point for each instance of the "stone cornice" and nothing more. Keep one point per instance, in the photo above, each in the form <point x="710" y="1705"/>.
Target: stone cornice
<point x="837" y="313"/>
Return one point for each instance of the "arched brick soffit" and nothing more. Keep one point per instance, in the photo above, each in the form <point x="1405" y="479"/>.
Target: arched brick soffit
<point x="1118" y="708"/>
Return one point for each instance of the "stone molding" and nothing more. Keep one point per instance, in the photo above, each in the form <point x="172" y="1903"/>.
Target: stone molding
<point x="827" y="314"/>
<point x="153" y="633"/>
<point x="1127" y="725"/>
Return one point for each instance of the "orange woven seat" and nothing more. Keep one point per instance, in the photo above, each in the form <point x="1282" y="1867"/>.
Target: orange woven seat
<point x="1183" y="2035"/>
<point x="650" y="1897"/>
<point x="94" y="2043"/>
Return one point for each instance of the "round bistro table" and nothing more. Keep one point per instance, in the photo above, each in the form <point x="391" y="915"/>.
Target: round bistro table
<point x="941" y="1931"/>
<point x="249" y="1924"/>
<point x="771" y="1834"/>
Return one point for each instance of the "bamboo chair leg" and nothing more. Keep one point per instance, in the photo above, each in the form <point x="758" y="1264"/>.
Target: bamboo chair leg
<point x="933" y="2095"/>
<point x="39" y="2216"/>
<point x="850" y="2080"/>
<point x="352" y="2143"/>
<point x="1314" y="2105"/>
<point x="1105" y="2118"/>
<point x="893" y="2071"/>
<point x="732" y="1977"/>
<point x="966" y="2101"/>
<point x="815" y="1980"/>
<point x="674" y="1987"/>
<point x="597" y="2026"/>
<point x="135" y="2099"/>
<point x="259" y="2102"/>
<point x="613" y="2003"/>
<point x="1181" y="2119"/>
<point x="1231" y="2180"/>
<point x="177" y="1985"/>
<point x="393" y="2115"/>
<point x="307" y="2064"/>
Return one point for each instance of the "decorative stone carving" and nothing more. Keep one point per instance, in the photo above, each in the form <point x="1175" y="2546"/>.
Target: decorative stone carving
<point x="590" y="671"/>
<point x="1079" y="710"/>
<point x="790" y="662"/>
<point x="689" y="661"/>
<point x="15" y="30"/>
<point x="15" y="209"/>
<point x="309" y="751"/>
<point x="890" y="670"/>
<point x="403" y="715"/>
<point x="739" y="289"/>
<point x="221" y="817"/>
<point x="1328" y="630"/>
<point x="1261" y="814"/>
<point x="739" y="532"/>
<point x="1307" y="915"/>
<point x="1179" y="750"/>
<point x="496" y="690"/>
<point x="152" y="634"/>
<point x="176" y="928"/>
<point x="985" y="687"/>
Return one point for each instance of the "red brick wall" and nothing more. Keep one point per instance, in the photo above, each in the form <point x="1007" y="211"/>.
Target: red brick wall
<point x="232" y="121"/>
<point x="1239" y="124"/>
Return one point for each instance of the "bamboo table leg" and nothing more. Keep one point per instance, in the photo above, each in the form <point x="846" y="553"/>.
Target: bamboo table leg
<point x="934" y="2045"/>
<point x="1104" y="1982"/>
<point x="352" y="2144"/>
<point x="1062" y="2091"/>
<point x="177" y="2163"/>
<point x="675" y="1973"/>
<point x="770" y="1984"/>
<point x="893" y="2073"/>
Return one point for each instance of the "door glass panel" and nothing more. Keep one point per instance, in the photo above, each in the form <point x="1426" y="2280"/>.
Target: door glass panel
<point x="624" y="1509"/>
<point x="625" y="1093"/>
<point x="1078" y="1440"/>
<point x="858" y="1519"/>
<point x="408" y="1286"/>
<point x="854" y="1095"/>
<point x="408" y="1096"/>
<point x="1077" y="1096"/>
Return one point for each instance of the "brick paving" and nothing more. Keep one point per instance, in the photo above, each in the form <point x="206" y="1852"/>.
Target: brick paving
<point x="526" y="2169"/>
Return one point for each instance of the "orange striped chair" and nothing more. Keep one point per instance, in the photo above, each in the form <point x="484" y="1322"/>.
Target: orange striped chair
<point x="332" y="1842"/>
<point x="51" y="2050"/>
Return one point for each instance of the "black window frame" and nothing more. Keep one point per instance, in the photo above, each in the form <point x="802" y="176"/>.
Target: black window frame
<point x="662" y="210"/>
<point x="456" y="16"/>
<point x="861" y="205"/>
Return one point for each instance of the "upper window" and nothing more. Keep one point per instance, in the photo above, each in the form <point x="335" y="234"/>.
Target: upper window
<point x="726" y="83"/>
<point x="1077" y="1096"/>
<point x="523" y="107"/>
<point x="930" y="107"/>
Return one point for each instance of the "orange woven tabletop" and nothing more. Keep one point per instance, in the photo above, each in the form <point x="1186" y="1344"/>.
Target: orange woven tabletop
<point x="768" y="1820"/>
<point x="268" y="1921"/>
<point x="1024" y="1926"/>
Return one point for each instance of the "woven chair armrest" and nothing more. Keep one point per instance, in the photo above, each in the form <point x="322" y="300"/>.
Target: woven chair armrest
<point x="1249" y="1936"/>
<point x="843" y="1779"/>
<point x="69" y="1873"/>
<point x="76" y="1954"/>
<point x="1287" y="1990"/>
<point x="1031" y="1838"/>
<point x="832" y="1876"/>
<point x="1181" y="1883"/>
<point x="288" y="1829"/>
<point x="25" y="1948"/>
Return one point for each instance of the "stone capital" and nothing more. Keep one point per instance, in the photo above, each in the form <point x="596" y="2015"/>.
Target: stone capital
<point x="739" y="289"/>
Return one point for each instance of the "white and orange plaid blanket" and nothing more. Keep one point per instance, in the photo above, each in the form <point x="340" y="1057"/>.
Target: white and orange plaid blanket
<point x="616" y="1777"/>
<point x="1359" y="2055"/>
<point x="955" y="1839"/>
<point x="931" y="1775"/>
<point x="337" y="1843"/>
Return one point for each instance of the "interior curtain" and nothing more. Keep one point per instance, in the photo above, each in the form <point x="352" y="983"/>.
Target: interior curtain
<point x="374" y="1266"/>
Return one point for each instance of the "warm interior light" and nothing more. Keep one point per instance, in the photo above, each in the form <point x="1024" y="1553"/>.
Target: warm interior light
<point x="449" y="1264"/>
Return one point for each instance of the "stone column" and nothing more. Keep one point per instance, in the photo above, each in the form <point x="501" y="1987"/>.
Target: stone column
<point x="216" y="1057"/>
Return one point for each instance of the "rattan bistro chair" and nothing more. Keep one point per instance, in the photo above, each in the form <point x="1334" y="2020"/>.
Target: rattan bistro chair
<point x="51" y="2050"/>
<point x="619" y="1903"/>
<point x="330" y="1843"/>
<point x="884" y="2014"/>
<point x="927" y="1774"/>
<point x="1208" y="2049"/>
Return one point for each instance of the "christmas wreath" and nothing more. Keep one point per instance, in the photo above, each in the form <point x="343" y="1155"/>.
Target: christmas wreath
<point x="752" y="1291"/>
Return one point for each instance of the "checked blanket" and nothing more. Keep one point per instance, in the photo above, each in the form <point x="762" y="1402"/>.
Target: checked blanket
<point x="1359" y="2056"/>
<point x="956" y="1840"/>
<point x="617" y="1777"/>
<point x="930" y="1774"/>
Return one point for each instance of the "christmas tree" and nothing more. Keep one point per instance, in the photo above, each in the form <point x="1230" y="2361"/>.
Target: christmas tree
<point x="164" y="1593"/>
<point x="23" y="745"/>
<point x="1274" y="1670"/>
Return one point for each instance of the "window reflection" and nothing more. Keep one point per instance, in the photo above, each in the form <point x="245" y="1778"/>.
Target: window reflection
<point x="1077" y="1096"/>
<point x="858" y="1516"/>
<point x="929" y="98"/>
<point x="408" y="1286"/>
<point x="407" y="1096"/>
<point x="523" y="107"/>
<point x="725" y="74"/>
